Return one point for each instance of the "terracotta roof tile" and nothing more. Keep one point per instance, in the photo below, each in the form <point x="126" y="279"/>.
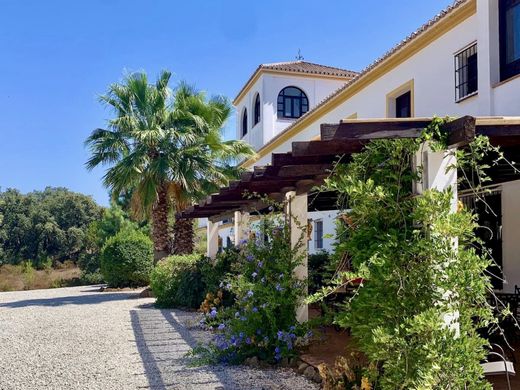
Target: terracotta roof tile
<point x="300" y="67"/>
<point x="309" y="67"/>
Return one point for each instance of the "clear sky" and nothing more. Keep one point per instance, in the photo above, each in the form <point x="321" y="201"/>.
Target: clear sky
<point x="57" y="56"/>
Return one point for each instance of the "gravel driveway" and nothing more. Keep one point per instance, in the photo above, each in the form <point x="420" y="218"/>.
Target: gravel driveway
<point x="79" y="338"/>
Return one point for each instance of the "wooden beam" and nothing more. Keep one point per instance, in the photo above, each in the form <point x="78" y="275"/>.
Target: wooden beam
<point x="303" y="170"/>
<point x="499" y="130"/>
<point x="327" y="148"/>
<point x="460" y="131"/>
<point x="374" y="129"/>
<point x="282" y="159"/>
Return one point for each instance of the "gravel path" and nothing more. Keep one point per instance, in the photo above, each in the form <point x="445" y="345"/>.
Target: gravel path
<point x="78" y="338"/>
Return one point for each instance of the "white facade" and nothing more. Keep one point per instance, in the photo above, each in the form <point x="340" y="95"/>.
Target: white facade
<point x="267" y="87"/>
<point x="425" y="66"/>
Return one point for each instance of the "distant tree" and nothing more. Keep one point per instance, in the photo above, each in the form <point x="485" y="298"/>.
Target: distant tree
<point x="42" y="225"/>
<point x="166" y="149"/>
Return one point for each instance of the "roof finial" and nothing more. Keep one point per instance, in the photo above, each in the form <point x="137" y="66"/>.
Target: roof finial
<point x="299" y="57"/>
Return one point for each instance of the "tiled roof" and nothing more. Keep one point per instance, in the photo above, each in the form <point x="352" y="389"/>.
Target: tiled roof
<point x="309" y="67"/>
<point x="300" y="67"/>
<point x="425" y="27"/>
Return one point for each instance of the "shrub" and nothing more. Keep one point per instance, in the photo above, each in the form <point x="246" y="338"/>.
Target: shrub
<point x="263" y="321"/>
<point x="175" y="281"/>
<point x="185" y="281"/>
<point x="91" y="278"/>
<point x="127" y="259"/>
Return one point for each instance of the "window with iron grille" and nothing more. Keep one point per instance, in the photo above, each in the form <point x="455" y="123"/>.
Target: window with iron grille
<point x="318" y="234"/>
<point x="466" y="73"/>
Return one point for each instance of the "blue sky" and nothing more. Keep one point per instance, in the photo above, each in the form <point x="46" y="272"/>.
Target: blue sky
<point x="57" y="56"/>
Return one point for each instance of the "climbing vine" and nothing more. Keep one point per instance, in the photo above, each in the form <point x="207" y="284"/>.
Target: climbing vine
<point x="418" y="313"/>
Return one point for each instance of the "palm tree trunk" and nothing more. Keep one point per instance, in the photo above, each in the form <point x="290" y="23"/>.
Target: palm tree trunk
<point x="160" y="227"/>
<point x="183" y="235"/>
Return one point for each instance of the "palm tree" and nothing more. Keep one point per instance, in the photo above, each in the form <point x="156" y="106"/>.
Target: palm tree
<point x="166" y="149"/>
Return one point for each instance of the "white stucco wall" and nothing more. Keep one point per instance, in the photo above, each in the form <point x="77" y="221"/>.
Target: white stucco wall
<point x="329" y="230"/>
<point x="511" y="234"/>
<point x="268" y="86"/>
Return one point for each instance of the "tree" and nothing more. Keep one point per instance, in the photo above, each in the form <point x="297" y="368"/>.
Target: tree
<point x="44" y="224"/>
<point x="166" y="149"/>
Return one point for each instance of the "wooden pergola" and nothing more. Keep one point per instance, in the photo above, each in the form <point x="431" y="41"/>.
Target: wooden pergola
<point x="310" y="162"/>
<point x="291" y="176"/>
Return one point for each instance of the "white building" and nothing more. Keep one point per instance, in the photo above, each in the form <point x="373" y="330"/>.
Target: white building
<point x="465" y="61"/>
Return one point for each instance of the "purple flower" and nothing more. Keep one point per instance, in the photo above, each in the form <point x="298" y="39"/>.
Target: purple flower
<point x="292" y="327"/>
<point x="213" y="312"/>
<point x="243" y="318"/>
<point x="228" y="286"/>
<point x="264" y="305"/>
<point x="255" y="309"/>
<point x="241" y="335"/>
<point x="254" y="275"/>
<point x="248" y="340"/>
<point x="249" y="257"/>
<point x="250" y="293"/>
<point x="279" y="334"/>
<point x="221" y="327"/>
<point x="237" y="314"/>
<point x="278" y="287"/>
<point x="280" y="276"/>
<point x="260" y="264"/>
<point x="277" y="350"/>
<point x="292" y="336"/>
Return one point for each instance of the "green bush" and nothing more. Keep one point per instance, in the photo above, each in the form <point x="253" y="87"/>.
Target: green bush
<point x="89" y="263"/>
<point x="177" y="281"/>
<point x="127" y="259"/>
<point x="185" y="281"/>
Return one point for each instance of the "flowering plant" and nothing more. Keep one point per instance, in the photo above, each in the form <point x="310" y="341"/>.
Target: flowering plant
<point x="262" y="322"/>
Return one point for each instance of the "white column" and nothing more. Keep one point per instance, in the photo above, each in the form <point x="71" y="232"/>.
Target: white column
<point x="212" y="239"/>
<point x="297" y="212"/>
<point x="439" y="172"/>
<point x="241" y="229"/>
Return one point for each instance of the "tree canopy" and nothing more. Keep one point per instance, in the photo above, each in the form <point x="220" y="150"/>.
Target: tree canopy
<point x="42" y="225"/>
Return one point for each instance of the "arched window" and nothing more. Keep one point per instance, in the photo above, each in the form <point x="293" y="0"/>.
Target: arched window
<point x="292" y="103"/>
<point x="244" y="122"/>
<point x="256" y="110"/>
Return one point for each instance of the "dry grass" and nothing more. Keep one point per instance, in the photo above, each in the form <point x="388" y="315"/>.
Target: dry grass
<point x="24" y="277"/>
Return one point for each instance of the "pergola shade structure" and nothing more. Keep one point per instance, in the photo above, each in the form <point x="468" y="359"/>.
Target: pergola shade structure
<point x="310" y="162"/>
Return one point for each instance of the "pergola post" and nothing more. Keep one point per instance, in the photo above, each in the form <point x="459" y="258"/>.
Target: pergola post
<point x="437" y="173"/>
<point x="297" y="214"/>
<point x="440" y="173"/>
<point x="241" y="226"/>
<point x="212" y="239"/>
